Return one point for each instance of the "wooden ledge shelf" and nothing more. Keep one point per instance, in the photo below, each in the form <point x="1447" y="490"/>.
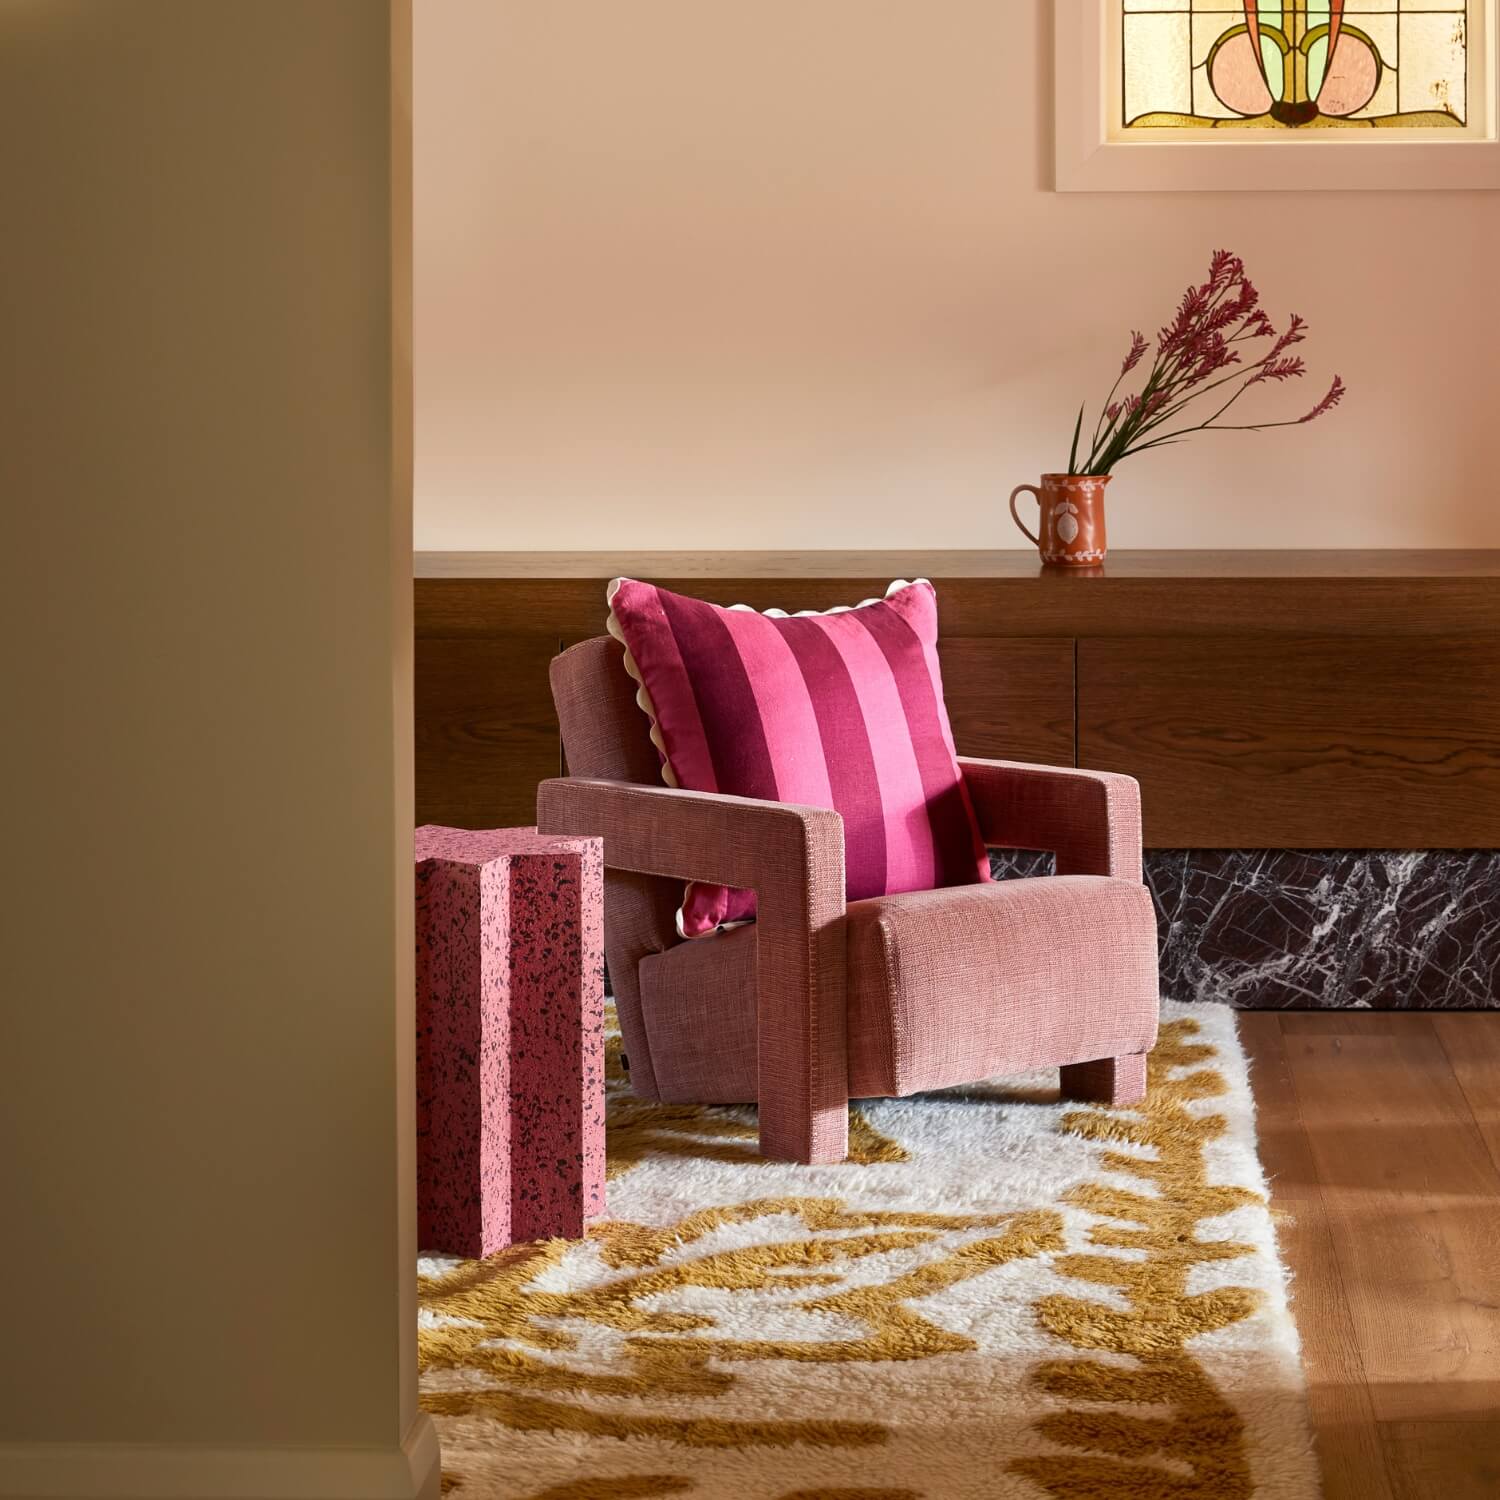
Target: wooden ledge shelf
<point x="1287" y="699"/>
<point x="1016" y="563"/>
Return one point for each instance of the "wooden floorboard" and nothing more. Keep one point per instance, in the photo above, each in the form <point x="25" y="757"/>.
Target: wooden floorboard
<point x="1411" y="1194"/>
<point x="1349" y="1442"/>
<point x="1381" y="1137"/>
<point x="1444" y="1460"/>
<point x="1471" y="1041"/>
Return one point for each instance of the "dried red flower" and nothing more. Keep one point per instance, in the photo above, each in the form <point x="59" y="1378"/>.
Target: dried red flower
<point x="1280" y="369"/>
<point x="1196" y="355"/>
<point x="1332" y="399"/>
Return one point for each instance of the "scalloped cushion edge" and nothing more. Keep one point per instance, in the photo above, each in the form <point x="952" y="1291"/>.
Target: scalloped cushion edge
<point x="647" y="707"/>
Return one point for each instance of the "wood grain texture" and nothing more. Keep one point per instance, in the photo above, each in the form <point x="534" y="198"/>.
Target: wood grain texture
<point x="1349" y="1442"/>
<point x="1017" y="562"/>
<point x="1444" y="1460"/>
<point x="1050" y="605"/>
<point x="1471" y="1041"/>
<point x="1388" y="1206"/>
<point x="486" y="733"/>
<point x="1300" y="742"/>
<point x="1266" y="700"/>
<point x="1223" y="600"/>
<point x="1010" y="699"/>
<point x="1411" y="1198"/>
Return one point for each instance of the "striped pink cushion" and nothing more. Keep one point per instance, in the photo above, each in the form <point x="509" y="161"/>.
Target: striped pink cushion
<point x="841" y="710"/>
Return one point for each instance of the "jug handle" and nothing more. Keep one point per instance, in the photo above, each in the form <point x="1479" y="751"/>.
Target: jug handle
<point x="1037" y="541"/>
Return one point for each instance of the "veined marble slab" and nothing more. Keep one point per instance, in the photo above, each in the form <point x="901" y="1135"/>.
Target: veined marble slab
<point x="1274" y="929"/>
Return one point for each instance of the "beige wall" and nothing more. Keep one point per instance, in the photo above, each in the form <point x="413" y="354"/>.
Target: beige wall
<point x="206" y="1244"/>
<point x="699" y="273"/>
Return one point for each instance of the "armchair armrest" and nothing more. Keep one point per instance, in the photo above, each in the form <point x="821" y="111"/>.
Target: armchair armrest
<point x="707" y="836"/>
<point x="793" y="859"/>
<point x="1091" y="820"/>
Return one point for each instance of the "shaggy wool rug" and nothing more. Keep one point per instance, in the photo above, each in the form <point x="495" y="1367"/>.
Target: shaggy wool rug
<point x="997" y="1295"/>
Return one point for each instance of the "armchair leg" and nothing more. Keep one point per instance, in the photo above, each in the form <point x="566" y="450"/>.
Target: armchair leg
<point x="802" y="1065"/>
<point x="791" y="1133"/>
<point x="802" y="1087"/>
<point x="1109" y="1080"/>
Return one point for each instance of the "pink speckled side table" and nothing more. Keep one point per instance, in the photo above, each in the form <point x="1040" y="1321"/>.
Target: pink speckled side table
<point x="510" y="1037"/>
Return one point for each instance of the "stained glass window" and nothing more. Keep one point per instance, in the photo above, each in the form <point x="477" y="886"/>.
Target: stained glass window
<point x="1298" y="64"/>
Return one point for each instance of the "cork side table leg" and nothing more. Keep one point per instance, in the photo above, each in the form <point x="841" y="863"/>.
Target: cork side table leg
<point x="557" y="1040"/>
<point x="463" y="1060"/>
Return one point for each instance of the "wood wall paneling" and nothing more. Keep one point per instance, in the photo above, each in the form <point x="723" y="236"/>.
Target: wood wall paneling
<point x="486" y="732"/>
<point x="1265" y="700"/>
<point x="1010" y="699"/>
<point x="1388" y="742"/>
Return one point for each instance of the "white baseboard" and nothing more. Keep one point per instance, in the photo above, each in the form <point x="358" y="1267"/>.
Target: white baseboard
<point x="127" y="1471"/>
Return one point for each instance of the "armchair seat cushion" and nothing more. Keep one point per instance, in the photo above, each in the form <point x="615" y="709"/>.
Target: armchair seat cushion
<point x="943" y="988"/>
<point x="946" y="987"/>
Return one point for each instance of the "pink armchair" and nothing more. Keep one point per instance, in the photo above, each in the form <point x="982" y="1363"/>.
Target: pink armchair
<point x="818" y="1002"/>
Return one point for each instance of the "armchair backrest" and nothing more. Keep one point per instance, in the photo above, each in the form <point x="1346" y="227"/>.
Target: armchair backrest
<point x="605" y="734"/>
<point x="604" y="731"/>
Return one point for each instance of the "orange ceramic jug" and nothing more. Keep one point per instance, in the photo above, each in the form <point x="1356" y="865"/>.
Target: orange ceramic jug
<point x="1072" y="518"/>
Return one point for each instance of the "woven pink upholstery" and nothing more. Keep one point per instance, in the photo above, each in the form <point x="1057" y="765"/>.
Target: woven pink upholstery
<point x="813" y="1005"/>
<point x="943" y="987"/>
<point x="596" y="709"/>
<point x="1091" y="820"/>
<point x="793" y="859"/>
<point x="1107" y="1080"/>
<point x="947" y="987"/>
<point x="703" y="987"/>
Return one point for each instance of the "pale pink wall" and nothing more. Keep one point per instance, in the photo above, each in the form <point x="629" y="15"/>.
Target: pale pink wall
<point x="705" y="273"/>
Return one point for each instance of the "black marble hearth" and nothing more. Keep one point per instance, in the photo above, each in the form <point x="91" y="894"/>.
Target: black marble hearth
<point x="1272" y="929"/>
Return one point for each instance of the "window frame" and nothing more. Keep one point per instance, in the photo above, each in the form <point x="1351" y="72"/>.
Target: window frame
<point x="1090" y="157"/>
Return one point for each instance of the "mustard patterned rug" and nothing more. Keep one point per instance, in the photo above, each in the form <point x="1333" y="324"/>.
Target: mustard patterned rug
<point x="997" y="1296"/>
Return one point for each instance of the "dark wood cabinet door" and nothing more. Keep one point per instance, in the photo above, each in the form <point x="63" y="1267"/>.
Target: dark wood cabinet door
<point x="1314" y="742"/>
<point x="1010" y="698"/>
<point x="486" y="733"/>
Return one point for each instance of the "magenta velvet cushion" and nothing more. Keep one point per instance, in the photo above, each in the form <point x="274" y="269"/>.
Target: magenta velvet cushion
<point x="842" y="710"/>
